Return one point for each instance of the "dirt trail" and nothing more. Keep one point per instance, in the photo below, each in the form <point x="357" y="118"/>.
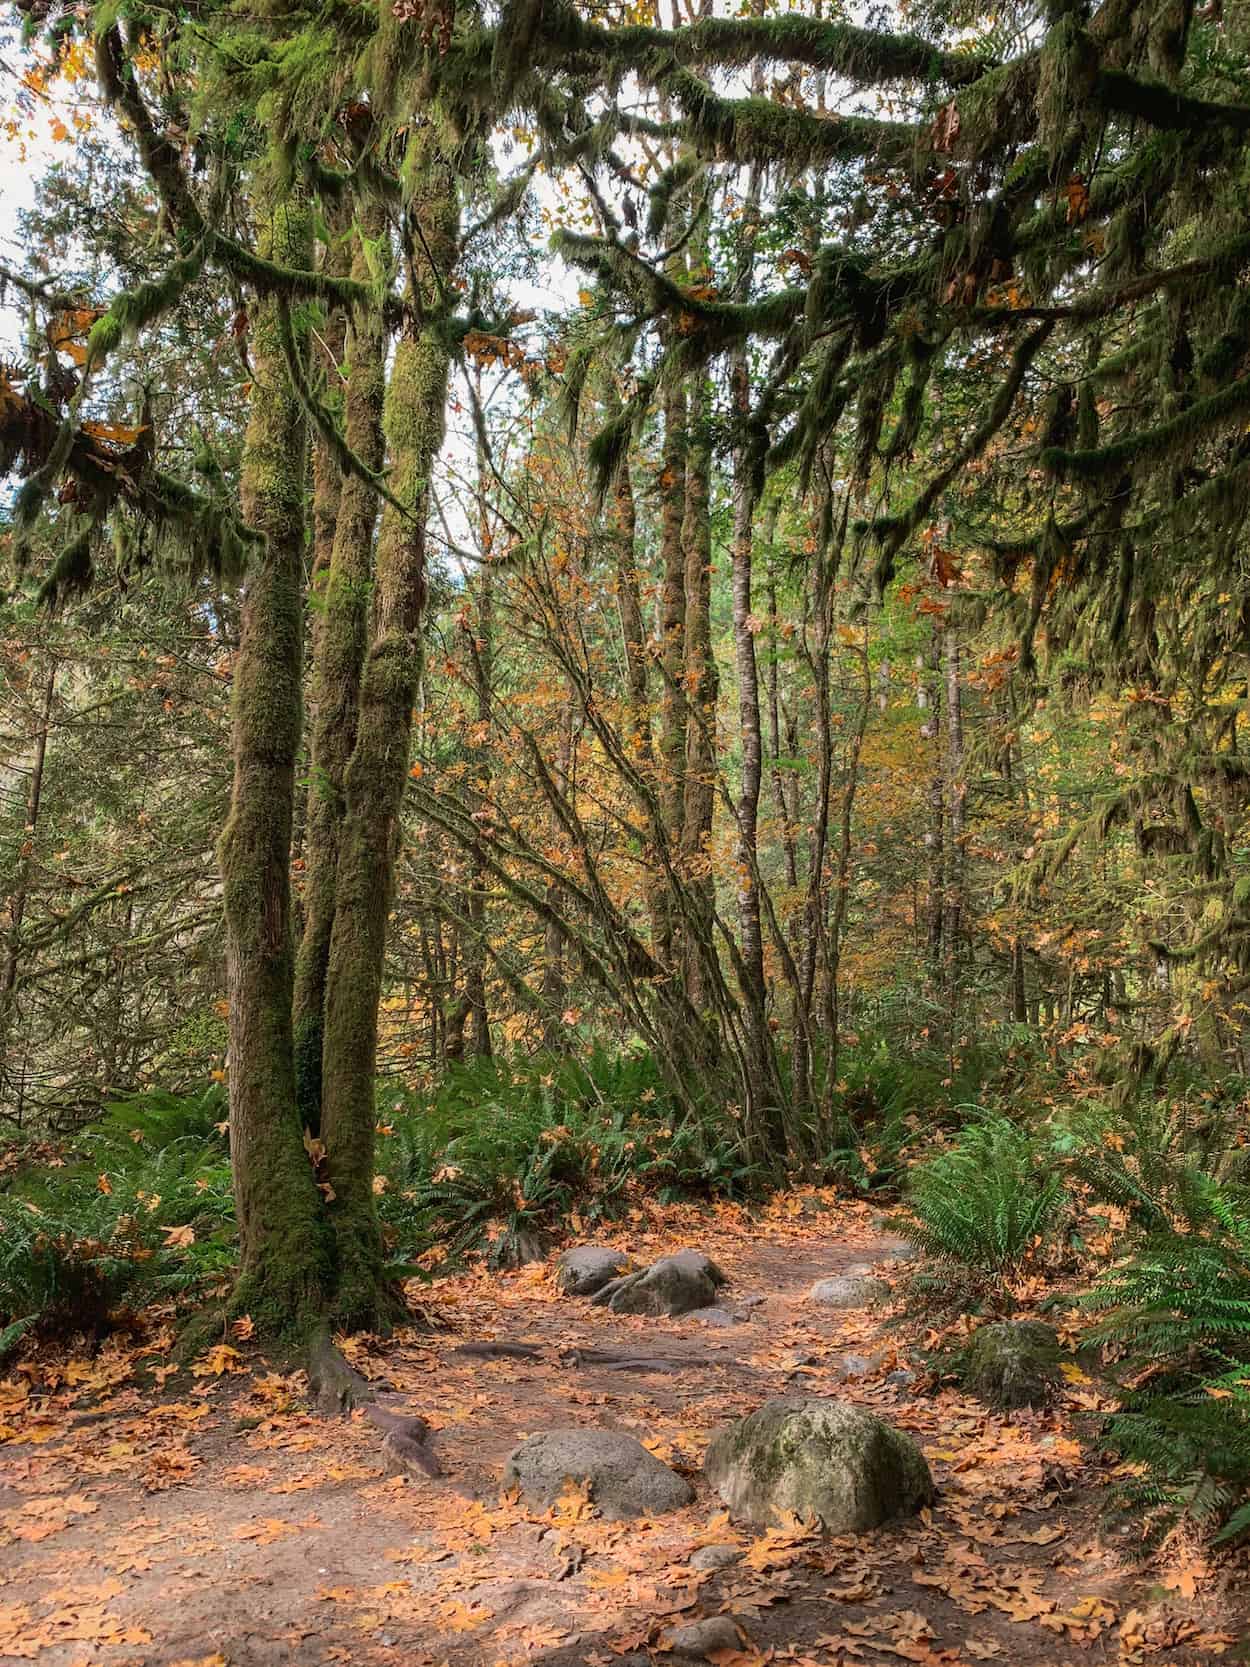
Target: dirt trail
<point x="222" y="1523"/>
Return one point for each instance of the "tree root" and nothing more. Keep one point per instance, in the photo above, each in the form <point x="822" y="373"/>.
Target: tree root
<point x="500" y="1351"/>
<point x="336" y="1386"/>
<point x="404" y="1442"/>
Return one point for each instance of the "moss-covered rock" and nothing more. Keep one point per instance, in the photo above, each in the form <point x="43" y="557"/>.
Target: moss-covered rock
<point x="818" y="1458"/>
<point x="1011" y="1363"/>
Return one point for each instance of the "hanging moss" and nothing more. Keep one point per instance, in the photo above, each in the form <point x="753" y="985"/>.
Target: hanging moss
<point x="1164" y="441"/>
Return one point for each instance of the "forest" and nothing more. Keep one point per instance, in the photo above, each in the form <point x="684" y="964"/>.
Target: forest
<point x="624" y="832"/>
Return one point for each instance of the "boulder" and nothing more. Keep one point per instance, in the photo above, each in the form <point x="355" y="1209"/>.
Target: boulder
<point x="1011" y="1363"/>
<point x="701" y="1638"/>
<point x="623" y="1478"/>
<point x="587" y="1268"/>
<point x="816" y="1457"/>
<point x="675" y="1284"/>
<point x="850" y="1290"/>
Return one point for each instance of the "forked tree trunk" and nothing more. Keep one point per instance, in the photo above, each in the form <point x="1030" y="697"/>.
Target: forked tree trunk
<point x="376" y="774"/>
<point x="284" y="1263"/>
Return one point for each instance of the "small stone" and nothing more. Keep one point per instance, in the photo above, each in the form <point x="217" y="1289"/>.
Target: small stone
<point x="715" y="1556"/>
<point x="587" y="1268"/>
<point x="714" y="1316"/>
<point x="811" y="1456"/>
<point x="623" y="1478"/>
<point x="850" y="1290"/>
<point x="700" y="1638"/>
<point x="859" y="1365"/>
<point x="674" y="1285"/>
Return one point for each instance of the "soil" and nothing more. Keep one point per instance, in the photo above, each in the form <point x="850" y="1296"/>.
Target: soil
<point x="163" y="1516"/>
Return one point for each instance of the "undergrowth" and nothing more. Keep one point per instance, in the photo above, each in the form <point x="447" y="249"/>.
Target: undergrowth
<point x="139" y="1208"/>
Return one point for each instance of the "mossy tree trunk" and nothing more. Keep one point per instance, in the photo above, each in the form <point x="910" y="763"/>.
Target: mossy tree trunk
<point x="378" y="767"/>
<point x="342" y="599"/>
<point x="284" y="1270"/>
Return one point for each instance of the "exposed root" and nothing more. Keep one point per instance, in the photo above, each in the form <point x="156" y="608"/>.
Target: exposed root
<point x="500" y="1351"/>
<point x="405" y="1441"/>
<point x="336" y="1387"/>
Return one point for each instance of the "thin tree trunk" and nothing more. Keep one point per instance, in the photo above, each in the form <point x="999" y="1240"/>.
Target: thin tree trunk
<point x="931" y="730"/>
<point x="341" y="596"/>
<point x="639" y="745"/>
<point x="956" y="788"/>
<point x="21" y="882"/>
<point x="786" y="811"/>
<point x="378" y="769"/>
<point x="673" y="705"/>
<point x="750" y="925"/>
<point x="701" y="683"/>
<point x="482" y="655"/>
<point x="284" y="1269"/>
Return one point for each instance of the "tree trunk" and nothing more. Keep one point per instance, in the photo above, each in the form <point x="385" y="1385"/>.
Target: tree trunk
<point x="21" y="888"/>
<point x="342" y="598"/>
<point x="761" y="1075"/>
<point x="956" y="789"/>
<point x="672" y="642"/>
<point x="378" y="768"/>
<point x="931" y="730"/>
<point x="701" y="686"/>
<point x="284" y="1269"/>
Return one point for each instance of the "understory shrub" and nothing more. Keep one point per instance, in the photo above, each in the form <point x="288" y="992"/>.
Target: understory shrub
<point x="1177" y="1314"/>
<point x="139" y="1209"/>
<point x="987" y="1202"/>
<point x="497" y="1148"/>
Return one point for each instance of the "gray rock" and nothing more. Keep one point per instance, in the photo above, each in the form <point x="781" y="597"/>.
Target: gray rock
<point x="714" y="1316"/>
<point x="675" y="1284"/>
<point x="850" y="1290"/>
<point x="816" y="1457"/>
<point x="715" y="1556"/>
<point x="700" y="1638"/>
<point x="859" y="1365"/>
<point x="624" y="1479"/>
<point x="587" y="1268"/>
<point x="1012" y="1363"/>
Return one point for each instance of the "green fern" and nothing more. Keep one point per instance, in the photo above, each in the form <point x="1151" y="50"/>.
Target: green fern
<point x="1179" y="1312"/>
<point x="987" y="1203"/>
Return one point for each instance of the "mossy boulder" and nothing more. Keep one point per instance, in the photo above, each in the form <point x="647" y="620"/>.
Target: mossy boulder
<point x="1011" y="1363"/>
<point x="676" y="1284"/>
<point x="818" y="1458"/>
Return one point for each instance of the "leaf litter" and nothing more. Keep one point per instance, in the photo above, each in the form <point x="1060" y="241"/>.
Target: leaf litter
<point x="158" y="1516"/>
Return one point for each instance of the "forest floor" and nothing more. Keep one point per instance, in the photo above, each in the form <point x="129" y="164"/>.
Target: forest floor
<point x="156" y="1515"/>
